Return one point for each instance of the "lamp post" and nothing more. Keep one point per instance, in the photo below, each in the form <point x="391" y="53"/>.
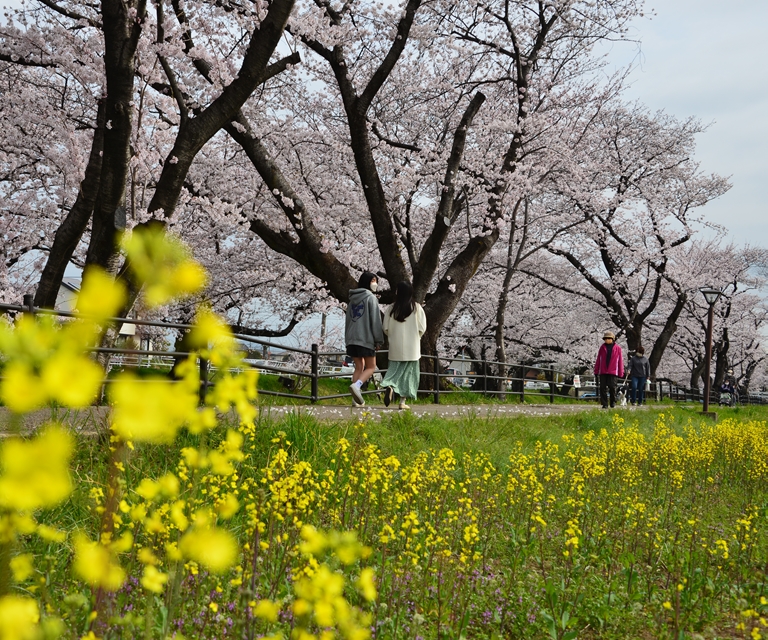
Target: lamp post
<point x="711" y="295"/>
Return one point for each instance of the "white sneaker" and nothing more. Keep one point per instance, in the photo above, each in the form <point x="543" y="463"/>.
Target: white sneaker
<point x="403" y="406"/>
<point x="356" y="395"/>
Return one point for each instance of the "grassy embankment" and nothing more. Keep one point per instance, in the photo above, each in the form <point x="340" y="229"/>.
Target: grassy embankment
<point x="580" y="525"/>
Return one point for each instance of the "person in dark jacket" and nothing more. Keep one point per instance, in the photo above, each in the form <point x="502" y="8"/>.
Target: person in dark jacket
<point x="639" y="372"/>
<point x="362" y="332"/>
<point x="609" y="365"/>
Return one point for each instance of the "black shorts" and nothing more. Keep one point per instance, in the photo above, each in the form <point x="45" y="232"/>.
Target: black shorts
<point x="357" y="351"/>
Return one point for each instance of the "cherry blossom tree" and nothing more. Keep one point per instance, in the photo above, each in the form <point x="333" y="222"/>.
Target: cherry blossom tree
<point x="432" y="109"/>
<point x="473" y="148"/>
<point x="164" y="56"/>
<point x="48" y="112"/>
<point x="639" y="199"/>
<point x="740" y="315"/>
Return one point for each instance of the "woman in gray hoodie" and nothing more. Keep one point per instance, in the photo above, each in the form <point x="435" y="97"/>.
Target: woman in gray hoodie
<point x="362" y="331"/>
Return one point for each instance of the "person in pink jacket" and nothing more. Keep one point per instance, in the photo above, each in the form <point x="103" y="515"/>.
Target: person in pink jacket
<point x="609" y="366"/>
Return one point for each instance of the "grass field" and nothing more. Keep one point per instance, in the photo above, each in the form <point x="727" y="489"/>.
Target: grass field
<point x="574" y="526"/>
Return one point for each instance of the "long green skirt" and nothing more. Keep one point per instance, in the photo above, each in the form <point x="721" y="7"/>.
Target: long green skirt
<point x="403" y="377"/>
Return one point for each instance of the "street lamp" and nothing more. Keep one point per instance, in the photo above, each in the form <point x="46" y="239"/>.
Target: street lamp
<point x="711" y="295"/>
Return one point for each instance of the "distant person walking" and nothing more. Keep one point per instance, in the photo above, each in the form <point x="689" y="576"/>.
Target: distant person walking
<point x="609" y="366"/>
<point x="404" y="324"/>
<point x="639" y="372"/>
<point x="362" y="331"/>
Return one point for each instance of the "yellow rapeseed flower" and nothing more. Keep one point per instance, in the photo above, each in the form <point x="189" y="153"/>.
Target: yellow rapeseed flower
<point x="47" y="363"/>
<point x="101" y="297"/>
<point x="163" y="263"/>
<point x="34" y="474"/>
<point x="178" y="517"/>
<point x="150" y="410"/>
<point x="267" y="610"/>
<point x="212" y="547"/>
<point x="22" y="567"/>
<point x="209" y="331"/>
<point x="18" y="618"/>
<point x="165" y="487"/>
<point x="366" y="584"/>
<point x="153" y="580"/>
<point x="20" y="389"/>
<point x="97" y="565"/>
<point x="71" y="379"/>
<point x="227" y="506"/>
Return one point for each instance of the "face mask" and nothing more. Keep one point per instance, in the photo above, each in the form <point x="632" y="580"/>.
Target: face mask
<point x="374" y="285"/>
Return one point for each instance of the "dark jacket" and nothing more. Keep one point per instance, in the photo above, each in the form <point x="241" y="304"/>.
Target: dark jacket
<point x="639" y="367"/>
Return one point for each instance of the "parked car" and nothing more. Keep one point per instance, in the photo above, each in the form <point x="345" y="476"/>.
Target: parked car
<point x="537" y="384"/>
<point x="456" y="377"/>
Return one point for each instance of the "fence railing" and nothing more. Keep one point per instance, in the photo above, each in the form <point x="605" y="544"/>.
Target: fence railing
<point x="302" y="366"/>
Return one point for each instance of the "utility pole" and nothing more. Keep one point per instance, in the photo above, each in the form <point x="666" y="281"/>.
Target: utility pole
<point x="322" y="329"/>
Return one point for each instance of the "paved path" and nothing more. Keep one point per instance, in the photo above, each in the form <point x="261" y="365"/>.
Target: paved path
<point x="376" y="411"/>
<point x="93" y="419"/>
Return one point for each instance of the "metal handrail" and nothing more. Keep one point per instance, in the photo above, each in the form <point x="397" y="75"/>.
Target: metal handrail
<point x="488" y="377"/>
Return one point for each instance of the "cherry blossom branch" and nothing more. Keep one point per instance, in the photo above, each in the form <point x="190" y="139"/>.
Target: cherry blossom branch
<point x="430" y="252"/>
<point x="393" y="143"/>
<point x="25" y="62"/>
<point x="71" y="14"/>
<point x="393" y="55"/>
<point x="308" y="250"/>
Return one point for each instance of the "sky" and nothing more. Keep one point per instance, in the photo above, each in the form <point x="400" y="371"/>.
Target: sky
<point x="706" y="58"/>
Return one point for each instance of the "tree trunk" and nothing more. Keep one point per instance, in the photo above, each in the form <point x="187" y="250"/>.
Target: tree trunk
<point x="122" y="24"/>
<point x="747" y="379"/>
<point x="720" y="354"/>
<point x="697" y="373"/>
<point x="429" y="364"/>
<point x="72" y="228"/>
<point x="501" y="309"/>
<point x="666" y="334"/>
<point x="634" y="335"/>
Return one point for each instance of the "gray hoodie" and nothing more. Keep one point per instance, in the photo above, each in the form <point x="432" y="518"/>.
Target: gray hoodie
<point x="363" y="321"/>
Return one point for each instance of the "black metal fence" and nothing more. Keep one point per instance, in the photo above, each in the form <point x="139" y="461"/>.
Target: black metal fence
<point x="299" y="366"/>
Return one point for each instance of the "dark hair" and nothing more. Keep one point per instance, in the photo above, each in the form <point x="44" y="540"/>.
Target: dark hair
<point x="365" y="280"/>
<point x="639" y="351"/>
<point x="404" y="302"/>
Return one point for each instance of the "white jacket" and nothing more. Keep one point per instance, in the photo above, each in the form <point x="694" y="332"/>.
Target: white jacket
<point x="405" y="337"/>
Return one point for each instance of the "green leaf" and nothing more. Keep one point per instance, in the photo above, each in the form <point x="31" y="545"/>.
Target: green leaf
<point x="552" y="630"/>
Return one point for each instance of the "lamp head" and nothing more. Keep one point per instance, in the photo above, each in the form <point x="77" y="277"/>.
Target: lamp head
<point x="711" y="294"/>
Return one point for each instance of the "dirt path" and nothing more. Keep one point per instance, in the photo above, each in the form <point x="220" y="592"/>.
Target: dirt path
<point x="93" y="419"/>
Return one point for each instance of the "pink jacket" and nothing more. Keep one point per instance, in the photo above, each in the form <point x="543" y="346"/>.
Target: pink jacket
<point x="615" y="366"/>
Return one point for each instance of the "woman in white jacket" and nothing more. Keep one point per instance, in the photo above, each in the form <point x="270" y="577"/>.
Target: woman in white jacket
<point x="404" y="324"/>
